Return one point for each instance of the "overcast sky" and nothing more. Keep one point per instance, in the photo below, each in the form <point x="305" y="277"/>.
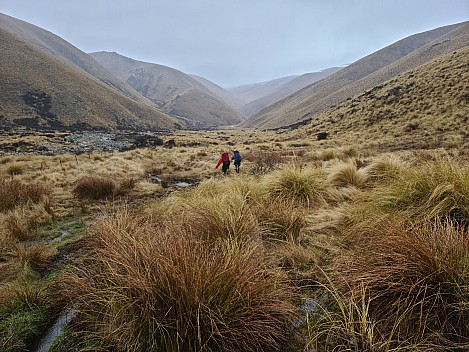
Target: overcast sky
<point x="234" y="42"/>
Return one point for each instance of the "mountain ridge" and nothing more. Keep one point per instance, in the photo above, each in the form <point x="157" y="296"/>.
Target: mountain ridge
<point x="330" y="91"/>
<point x="173" y="91"/>
<point x="40" y="90"/>
<point x="57" y="46"/>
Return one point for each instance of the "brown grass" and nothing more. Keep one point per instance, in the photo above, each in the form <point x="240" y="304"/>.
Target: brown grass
<point x="150" y="287"/>
<point x="421" y="270"/>
<point x="14" y="193"/>
<point x="94" y="188"/>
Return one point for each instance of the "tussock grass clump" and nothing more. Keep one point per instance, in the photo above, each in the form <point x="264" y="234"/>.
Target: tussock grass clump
<point x="321" y="155"/>
<point x="281" y="220"/>
<point x="429" y="190"/>
<point x="305" y="186"/>
<point x="22" y="223"/>
<point x="20" y="327"/>
<point x="217" y="210"/>
<point x="226" y="217"/>
<point x="383" y="169"/>
<point x="347" y="174"/>
<point x="340" y="322"/>
<point x="94" y="188"/>
<point x="422" y="270"/>
<point x="148" y="286"/>
<point x="14" y="193"/>
<point x="34" y="258"/>
<point x="16" y="168"/>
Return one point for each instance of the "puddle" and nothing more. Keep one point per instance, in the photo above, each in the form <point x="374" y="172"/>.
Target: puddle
<point x="183" y="184"/>
<point x="310" y="307"/>
<point x="172" y="183"/>
<point x="55" y="330"/>
<point x="61" y="235"/>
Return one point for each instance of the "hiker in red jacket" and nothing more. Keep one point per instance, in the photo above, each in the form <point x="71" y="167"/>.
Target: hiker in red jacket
<point x="225" y="160"/>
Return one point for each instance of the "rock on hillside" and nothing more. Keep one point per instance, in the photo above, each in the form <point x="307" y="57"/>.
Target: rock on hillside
<point x="173" y="91"/>
<point x="354" y="79"/>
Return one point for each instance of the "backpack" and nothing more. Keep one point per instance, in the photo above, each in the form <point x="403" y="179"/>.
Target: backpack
<point x="225" y="157"/>
<point x="236" y="156"/>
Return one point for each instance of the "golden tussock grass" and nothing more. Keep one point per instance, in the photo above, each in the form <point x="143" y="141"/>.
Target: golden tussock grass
<point x="438" y="189"/>
<point x="304" y="186"/>
<point x="346" y="174"/>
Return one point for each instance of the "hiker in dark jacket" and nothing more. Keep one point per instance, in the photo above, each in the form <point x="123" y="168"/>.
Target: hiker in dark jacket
<point x="225" y="160"/>
<point x="237" y="160"/>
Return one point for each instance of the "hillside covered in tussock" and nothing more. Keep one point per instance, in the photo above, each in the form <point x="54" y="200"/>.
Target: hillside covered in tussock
<point x="39" y="90"/>
<point x="171" y="90"/>
<point x="46" y="41"/>
<point x="421" y="108"/>
<point x="370" y="71"/>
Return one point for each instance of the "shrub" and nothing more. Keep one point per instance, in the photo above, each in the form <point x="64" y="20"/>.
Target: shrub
<point x="151" y="287"/>
<point x="94" y="188"/>
<point x="263" y="161"/>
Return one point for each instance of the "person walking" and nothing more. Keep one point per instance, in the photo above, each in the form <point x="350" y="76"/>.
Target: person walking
<point x="225" y="162"/>
<point x="237" y="160"/>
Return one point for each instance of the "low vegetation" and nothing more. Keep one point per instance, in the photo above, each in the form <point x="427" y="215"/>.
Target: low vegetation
<point x="319" y="247"/>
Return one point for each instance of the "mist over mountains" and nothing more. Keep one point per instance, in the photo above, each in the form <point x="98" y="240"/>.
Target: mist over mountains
<point x="46" y="82"/>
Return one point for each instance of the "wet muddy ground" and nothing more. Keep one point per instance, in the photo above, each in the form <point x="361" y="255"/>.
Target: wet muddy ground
<point x="76" y="142"/>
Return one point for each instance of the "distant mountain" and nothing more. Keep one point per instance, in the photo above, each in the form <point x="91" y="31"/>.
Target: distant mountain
<point x="364" y="74"/>
<point x="224" y="95"/>
<point x="173" y="91"/>
<point x="254" y="91"/>
<point x="287" y="89"/>
<point x="38" y="89"/>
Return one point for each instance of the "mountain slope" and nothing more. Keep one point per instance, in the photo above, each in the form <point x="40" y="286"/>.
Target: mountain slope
<point x="38" y="89"/>
<point x="352" y="80"/>
<point x="287" y="89"/>
<point x="173" y="91"/>
<point x="227" y="97"/>
<point x="47" y="41"/>
<point x="427" y="106"/>
<point x="254" y="91"/>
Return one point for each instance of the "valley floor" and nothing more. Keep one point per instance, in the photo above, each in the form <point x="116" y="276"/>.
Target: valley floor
<point x="314" y="245"/>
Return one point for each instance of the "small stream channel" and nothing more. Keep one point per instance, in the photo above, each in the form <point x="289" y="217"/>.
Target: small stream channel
<point x="55" y="331"/>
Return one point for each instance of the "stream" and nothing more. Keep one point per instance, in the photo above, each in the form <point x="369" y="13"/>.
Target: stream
<point x="55" y="331"/>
